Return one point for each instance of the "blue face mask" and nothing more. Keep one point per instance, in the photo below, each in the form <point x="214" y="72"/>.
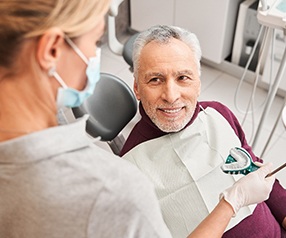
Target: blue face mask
<point x="69" y="97"/>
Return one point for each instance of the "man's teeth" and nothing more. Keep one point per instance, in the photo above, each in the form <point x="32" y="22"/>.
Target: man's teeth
<point x="172" y="111"/>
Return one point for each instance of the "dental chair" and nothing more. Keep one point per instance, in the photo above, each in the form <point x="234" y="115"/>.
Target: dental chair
<point x="110" y="109"/>
<point x="113" y="104"/>
<point x="124" y="50"/>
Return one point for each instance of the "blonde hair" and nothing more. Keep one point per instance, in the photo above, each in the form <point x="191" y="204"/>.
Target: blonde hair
<point x="21" y="19"/>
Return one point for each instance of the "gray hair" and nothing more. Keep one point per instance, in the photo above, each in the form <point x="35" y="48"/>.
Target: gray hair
<point x="163" y="34"/>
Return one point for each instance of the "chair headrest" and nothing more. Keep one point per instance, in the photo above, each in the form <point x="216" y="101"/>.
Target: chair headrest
<point x="111" y="107"/>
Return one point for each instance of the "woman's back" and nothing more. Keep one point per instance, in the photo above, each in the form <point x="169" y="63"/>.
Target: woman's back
<point x="62" y="187"/>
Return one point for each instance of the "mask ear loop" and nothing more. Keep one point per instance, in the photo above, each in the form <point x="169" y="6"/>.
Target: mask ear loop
<point x="76" y="49"/>
<point x="52" y="73"/>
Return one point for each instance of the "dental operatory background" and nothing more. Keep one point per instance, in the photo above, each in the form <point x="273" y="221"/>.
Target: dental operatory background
<point x="243" y="45"/>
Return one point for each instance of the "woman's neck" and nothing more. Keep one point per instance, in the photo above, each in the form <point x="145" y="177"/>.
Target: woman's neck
<point x="23" y="112"/>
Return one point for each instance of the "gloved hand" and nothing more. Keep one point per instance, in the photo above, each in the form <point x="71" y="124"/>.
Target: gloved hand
<point x="251" y="189"/>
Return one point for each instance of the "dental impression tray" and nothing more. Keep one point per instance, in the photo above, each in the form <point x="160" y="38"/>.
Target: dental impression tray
<point x="238" y="161"/>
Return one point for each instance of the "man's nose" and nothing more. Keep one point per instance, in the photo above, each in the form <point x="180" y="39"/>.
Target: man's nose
<point x="171" y="91"/>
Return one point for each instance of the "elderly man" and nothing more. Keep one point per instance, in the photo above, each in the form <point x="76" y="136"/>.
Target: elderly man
<point x="180" y="143"/>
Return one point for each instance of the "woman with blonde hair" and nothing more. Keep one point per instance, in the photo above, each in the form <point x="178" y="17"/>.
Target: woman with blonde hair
<point x="54" y="182"/>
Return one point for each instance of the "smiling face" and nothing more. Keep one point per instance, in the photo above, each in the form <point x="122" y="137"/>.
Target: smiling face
<point x="168" y="84"/>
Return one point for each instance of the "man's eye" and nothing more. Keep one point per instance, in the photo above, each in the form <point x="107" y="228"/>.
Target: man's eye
<point x="154" y="80"/>
<point x="183" y="77"/>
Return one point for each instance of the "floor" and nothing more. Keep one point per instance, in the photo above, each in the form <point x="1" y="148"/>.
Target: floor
<point x="219" y="86"/>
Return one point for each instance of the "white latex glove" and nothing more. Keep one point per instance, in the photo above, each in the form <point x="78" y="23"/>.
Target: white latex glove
<point x="251" y="189"/>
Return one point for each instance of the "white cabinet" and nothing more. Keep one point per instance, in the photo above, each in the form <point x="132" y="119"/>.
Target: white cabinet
<point x="146" y="13"/>
<point x="213" y="21"/>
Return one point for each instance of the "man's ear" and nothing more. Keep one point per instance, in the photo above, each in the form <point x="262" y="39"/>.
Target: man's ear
<point x="49" y="48"/>
<point x="135" y="89"/>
